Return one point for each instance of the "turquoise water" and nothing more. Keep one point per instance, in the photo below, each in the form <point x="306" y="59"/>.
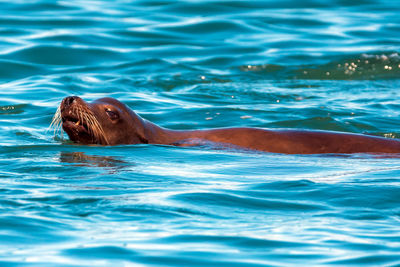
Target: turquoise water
<point x="331" y="65"/>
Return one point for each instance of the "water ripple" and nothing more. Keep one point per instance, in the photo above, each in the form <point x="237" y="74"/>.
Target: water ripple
<point x="330" y="65"/>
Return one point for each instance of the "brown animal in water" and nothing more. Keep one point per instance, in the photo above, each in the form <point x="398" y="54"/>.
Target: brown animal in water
<point x="106" y="121"/>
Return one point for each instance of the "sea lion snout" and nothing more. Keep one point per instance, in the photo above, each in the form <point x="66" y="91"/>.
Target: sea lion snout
<point x="69" y="101"/>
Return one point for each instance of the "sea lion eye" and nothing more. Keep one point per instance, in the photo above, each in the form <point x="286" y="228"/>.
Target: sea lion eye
<point x="112" y="114"/>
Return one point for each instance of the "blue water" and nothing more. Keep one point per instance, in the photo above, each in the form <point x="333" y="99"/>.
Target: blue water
<point x="331" y="65"/>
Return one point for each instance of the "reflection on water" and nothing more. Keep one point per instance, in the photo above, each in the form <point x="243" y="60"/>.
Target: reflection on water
<point x="81" y="159"/>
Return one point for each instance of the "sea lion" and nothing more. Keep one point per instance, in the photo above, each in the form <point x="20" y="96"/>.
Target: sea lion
<point x="107" y="121"/>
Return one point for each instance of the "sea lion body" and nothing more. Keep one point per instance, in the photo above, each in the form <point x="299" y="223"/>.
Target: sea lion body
<point x="107" y="121"/>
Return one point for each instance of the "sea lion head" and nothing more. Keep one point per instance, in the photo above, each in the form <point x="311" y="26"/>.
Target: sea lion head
<point x="105" y="121"/>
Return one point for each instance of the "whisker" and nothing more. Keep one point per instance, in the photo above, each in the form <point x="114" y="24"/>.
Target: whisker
<point x="86" y="116"/>
<point x="56" y="123"/>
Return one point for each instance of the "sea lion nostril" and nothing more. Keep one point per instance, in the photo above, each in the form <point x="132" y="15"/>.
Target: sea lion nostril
<point x="69" y="100"/>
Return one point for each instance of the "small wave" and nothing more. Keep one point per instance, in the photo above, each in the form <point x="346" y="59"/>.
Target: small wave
<point x="101" y="252"/>
<point x="22" y="229"/>
<point x="359" y="67"/>
<point x="229" y="201"/>
<point x="235" y="241"/>
<point x="381" y="260"/>
<point x="364" y="67"/>
<point x="45" y="22"/>
<point x="12" y="69"/>
<point x="61" y="55"/>
<point x="207" y="27"/>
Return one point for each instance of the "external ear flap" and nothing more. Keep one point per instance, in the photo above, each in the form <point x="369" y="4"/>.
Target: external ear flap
<point x="140" y="131"/>
<point x="142" y="139"/>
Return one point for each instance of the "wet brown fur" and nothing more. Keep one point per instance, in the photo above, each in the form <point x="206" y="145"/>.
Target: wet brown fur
<point x="129" y="128"/>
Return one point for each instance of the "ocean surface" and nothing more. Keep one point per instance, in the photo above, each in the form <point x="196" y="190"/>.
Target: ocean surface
<point x="328" y="65"/>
